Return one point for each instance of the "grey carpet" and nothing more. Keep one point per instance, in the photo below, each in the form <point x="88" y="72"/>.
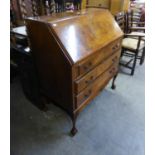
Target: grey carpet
<point x="113" y="124"/>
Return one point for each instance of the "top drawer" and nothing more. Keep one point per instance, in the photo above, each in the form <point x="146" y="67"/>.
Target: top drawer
<point x="88" y="64"/>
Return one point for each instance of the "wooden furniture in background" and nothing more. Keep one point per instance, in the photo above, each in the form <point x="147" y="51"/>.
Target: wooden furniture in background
<point x="76" y="55"/>
<point x="121" y="19"/>
<point x="134" y="21"/>
<point x="133" y="44"/>
<point x="21" y="65"/>
<point x="117" y="6"/>
<point x="84" y="3"/>
<point x="99" y="3"/>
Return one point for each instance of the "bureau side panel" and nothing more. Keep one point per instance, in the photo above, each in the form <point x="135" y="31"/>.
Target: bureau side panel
<point x="53" y="67"/>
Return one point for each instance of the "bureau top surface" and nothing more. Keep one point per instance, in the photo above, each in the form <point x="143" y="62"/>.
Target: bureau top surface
<point x="83" y="33"/>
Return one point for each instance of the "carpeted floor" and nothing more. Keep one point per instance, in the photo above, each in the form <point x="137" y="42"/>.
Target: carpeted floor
<point x="113" y="124"/>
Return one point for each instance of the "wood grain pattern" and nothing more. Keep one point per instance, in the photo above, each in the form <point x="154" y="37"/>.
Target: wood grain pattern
<point x="83" y="35"/>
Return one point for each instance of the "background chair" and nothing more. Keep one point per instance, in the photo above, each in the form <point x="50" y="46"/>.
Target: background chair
<point x="59" y="5"/>
<point x="121" y="20"/>
<point x="133" y="44"/>
<point x="77" y="4"/>
<point x="135" y="21"/>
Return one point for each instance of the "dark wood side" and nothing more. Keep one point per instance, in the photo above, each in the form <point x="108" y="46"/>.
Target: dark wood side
<point x="53" y="68"/>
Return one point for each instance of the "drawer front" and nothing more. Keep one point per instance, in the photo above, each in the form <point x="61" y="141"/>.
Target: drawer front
<point x="96" y="86"/>
<point x="92" y="75"/>
<point x="87" y="65"/>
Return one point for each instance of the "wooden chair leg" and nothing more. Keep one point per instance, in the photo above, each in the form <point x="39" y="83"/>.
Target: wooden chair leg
<point x="142" y="57"/>
<point x="134" y="64"/>
<point x="122" y="52"/>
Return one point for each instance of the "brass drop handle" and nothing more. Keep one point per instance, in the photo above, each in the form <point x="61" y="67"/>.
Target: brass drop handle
<point x="110" y="71"/>
<point x="114" y="59"/>
<point x="86" y="67"/>
<point x="92" y="77"/>
<point x="90" y="63"/>
<point x="87" y="95"/>
<point x="115" y="47"/>
<point x="90" y="80"/>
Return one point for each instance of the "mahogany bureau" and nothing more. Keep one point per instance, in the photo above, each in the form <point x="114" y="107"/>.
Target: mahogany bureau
<point x="76" y="54"/>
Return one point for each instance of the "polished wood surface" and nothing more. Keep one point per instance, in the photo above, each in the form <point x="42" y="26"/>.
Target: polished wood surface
<point x="82" y="25"/>
<point x="117" y="6"/>
<point x="95" y="86"/>
<point x="89" y="63"/>
<point x="79" y="28"/>
<point x="83" y="5"/>
<point x="76" y="54"/>
<point x="99" y="3"/>
<point x="93" y="74"/>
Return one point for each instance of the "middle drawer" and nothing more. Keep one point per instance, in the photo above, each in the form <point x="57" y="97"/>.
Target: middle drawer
<point x="80" y="84"/>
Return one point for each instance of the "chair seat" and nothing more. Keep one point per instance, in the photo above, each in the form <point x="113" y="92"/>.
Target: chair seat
<point x="138" y="33"/>
<point x="131" y="43"/>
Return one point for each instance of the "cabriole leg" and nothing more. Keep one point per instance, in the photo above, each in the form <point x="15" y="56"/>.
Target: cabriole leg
<point x="73" y="130"/>
<point x="134" y="64"/>
<point x="113" y="82"/>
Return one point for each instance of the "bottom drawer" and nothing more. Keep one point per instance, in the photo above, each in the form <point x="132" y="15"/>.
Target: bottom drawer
<point x="96" y="86"/>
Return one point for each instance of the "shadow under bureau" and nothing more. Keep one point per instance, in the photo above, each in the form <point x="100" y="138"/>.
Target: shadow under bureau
<point x="75" y="55"/>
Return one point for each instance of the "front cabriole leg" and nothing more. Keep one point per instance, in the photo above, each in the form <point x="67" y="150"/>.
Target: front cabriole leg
<point x="113" y="81"/>
<point x="73" y="130"/>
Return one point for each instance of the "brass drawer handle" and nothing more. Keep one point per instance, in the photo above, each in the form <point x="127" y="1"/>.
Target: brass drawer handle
<point x="92" y="77"/>
<point x="86" y="67"/>
<point x="115" y="47"/>
<point x="112" y="70"/>
<point x="90" y="63"/>
<point x="114" y="59"/>
<point x="90" y="80"/>
<point x="88" y="94"/>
